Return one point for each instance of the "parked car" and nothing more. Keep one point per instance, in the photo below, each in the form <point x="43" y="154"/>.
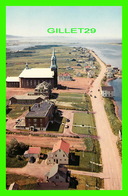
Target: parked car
<point x="66" y="126"/>
<point x="94" y="96"/>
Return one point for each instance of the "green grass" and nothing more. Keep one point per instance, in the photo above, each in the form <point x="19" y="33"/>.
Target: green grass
<point x="115" y="123"/>
<point x="15" y="163"/>
<point x="17" y="110"/>
<point x="88" y="182"/>
<point x="92" y="153"/>
<point x="74" y="101"/>
<point x="84" y="119"/>
<point x="40" y="56"/>
<point x="24" y="182"/>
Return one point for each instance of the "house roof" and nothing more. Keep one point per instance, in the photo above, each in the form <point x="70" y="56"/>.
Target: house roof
<point x="34" y="150"/>
<point x="107" y="88"/>
<point x="12" y="79"/>
<point x="37" y="73"/>
<point x="29" y="97"/>
<point x="40" y="109"/>
<point x="61" y="144"/>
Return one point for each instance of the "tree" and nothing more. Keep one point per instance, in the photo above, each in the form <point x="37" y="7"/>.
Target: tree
<point x="16" y="148"/>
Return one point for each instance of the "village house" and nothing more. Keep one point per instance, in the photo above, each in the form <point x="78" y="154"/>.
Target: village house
<point x="58" y="174"/>
<point x="33" y="152"/>
<point x="107" y="91"/>
<point x="60" y="153"/>
<point x="26" y="99"/>
<point x="65" y="77"/>
<point x="39" y="115"/>
<point x="91" y="74"/>
<point x="109" y="75"/>
<point x="43" y="88"/>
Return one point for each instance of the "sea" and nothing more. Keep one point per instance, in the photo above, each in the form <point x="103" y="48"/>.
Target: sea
<point x="110" y="51"/>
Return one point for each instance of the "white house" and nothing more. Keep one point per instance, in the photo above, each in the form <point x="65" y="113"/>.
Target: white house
<point x="107" y="91"/>
<point x="58" y="174"/>
<point x="60" y="153"/>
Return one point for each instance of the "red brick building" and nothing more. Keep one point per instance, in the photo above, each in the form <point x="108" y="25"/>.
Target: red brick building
<point x="39" y="115"/>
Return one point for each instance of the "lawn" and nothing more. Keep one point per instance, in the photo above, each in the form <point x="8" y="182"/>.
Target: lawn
<point x="15" y="163"/>
<point x="92" y="153"/>
<point x="16" y="110"/>
<point x="88" y="182"/>
<point x="82" y="118"/>
<point x="74" y="101"/>
<point x="24" y="182"/>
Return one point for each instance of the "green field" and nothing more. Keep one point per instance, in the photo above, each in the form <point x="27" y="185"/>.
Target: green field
<point x="73" y="101"/>
<point x="16" y="110"/>
<point x="40" y="56"/>
<point x="84" y="119"/>
<point x="88" y="182"/>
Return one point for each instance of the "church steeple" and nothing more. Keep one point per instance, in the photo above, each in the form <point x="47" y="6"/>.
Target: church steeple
<point x="53" y="61"/>
<point x="54" y="67"/>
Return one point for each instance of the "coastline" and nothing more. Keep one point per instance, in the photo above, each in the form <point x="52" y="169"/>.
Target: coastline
<point x="114" y="102"/>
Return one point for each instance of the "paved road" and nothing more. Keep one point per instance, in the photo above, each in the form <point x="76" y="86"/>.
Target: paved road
<point x="110" y="155"/>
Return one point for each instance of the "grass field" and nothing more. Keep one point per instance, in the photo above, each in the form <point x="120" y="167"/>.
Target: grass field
<point x="92" y="153"/>
<point x="74" y="101"/>
<point x="115" y="123"/>
<point x="84" y="119"/>
<point x="40" y="56"/>
<point x="16" y="110"/>
<point x="24" y="182"/>
<point x="15" y="163"/>
<point x="88" y="182"/>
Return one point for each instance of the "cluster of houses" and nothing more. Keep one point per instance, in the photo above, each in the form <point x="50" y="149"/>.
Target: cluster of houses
<point x="111" y="71"/>
<point x="58" y="176"/>
<point x="86" y="61"/>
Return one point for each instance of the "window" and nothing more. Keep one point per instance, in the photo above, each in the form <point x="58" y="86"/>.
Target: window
<point x="65" y="159"/>
<point x="57" y="177"/>
<point x="35" y="120"/>
<point x="59" y="150"/>
<point x="63" y="155"/>
<point x="60" y="159"/>
<point x="56" y="155"/>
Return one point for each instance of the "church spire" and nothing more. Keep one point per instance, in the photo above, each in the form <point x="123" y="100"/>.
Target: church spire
<point x="53" y="61"/>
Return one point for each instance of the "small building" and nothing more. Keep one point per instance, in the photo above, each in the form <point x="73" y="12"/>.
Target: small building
<point x="108" y="65"/>
<point x="13" y="82"/>
<point x="39" y="115"/>
<point x="26" y="99"/>
<point x="65" y="77"/>
<point x="60" y="153"/>
<point x="33" y="152"/>
<point x="109" y="75"/>
<point x="58" y="174"/>
<point x="107" y="91"/>
<point x="115" y="70"/>
<point x="43" y="88"/>
<point x="91" y="74"/>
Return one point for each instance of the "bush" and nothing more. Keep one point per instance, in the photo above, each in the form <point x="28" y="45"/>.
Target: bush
<point x="16" y="148"/>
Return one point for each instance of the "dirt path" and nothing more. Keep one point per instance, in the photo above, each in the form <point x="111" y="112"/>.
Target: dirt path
<point x="110" y="155"/>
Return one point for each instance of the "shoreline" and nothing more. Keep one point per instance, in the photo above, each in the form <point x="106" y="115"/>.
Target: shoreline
<point x="114" y="102"/>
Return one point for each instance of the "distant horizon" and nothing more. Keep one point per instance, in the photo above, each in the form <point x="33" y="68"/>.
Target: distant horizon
<point x="29" y="21"/>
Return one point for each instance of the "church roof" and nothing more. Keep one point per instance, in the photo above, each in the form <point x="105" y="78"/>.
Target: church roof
<point x="37" y="73"/>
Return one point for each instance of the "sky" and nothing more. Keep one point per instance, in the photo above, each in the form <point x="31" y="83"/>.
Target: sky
<point x="35" y="20"/>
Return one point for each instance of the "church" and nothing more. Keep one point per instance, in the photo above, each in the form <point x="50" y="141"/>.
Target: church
<point x="31" y="77"/>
